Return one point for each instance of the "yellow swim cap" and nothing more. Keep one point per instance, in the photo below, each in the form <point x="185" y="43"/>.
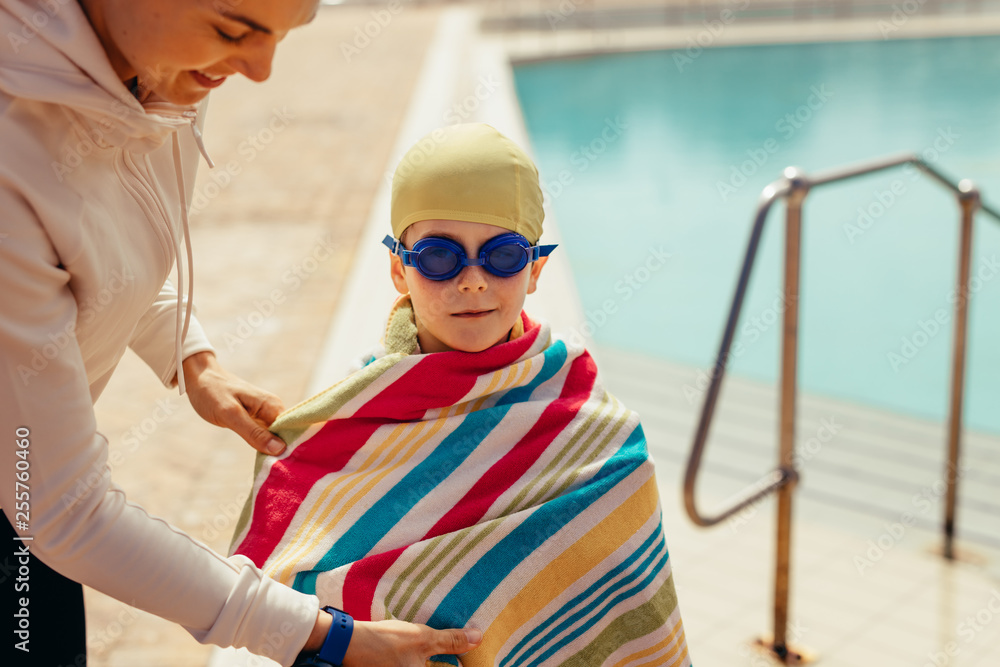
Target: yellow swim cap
<point x="468" y="172"/>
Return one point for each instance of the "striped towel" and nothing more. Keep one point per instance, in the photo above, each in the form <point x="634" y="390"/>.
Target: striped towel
<point x="504" y="490"/>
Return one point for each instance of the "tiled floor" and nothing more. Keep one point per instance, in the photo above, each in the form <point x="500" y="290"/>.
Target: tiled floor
<point x="866" y="590"/>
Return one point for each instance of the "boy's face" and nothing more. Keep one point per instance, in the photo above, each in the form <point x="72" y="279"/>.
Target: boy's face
<point x="474" y="310"/>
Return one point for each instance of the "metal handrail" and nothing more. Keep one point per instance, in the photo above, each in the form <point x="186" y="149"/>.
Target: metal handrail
<point x="793" y="187"/>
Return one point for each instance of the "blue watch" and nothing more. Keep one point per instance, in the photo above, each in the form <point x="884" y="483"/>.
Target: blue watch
<point x="334" y="648"/>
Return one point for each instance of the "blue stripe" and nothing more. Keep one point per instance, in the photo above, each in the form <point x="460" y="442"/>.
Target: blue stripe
<point x="583" y="597"/>
<point x="487" y="573"/>
<point x="640" y="571"/>
<point x="603" y="611"/>
<point x="305" y="582"/>
<point x="358" y="541"/>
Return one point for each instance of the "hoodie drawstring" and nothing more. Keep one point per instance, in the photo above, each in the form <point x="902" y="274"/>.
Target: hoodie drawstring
<point x="187" y="258"/>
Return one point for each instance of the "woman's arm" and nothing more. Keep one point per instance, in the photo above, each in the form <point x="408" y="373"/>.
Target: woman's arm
<point x="81" y="524"/>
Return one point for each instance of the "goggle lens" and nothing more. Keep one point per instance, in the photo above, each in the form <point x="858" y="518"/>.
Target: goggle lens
<point x="437" y="261"/>
<point x="509" y="258"/>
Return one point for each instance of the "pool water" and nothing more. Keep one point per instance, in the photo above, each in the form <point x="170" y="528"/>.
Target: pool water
<point x="653" y="164"/>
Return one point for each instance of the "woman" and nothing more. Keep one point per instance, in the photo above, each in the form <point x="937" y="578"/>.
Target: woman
<point x="100" y="142"/>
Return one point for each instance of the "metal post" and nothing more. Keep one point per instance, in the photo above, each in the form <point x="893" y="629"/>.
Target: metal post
<point x="789" y="363"/>
<point x="968" y="199"/>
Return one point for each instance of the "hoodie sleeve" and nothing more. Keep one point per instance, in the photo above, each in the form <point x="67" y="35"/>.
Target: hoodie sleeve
<point x="153" y="339"/>
<point x="81" y="523"/>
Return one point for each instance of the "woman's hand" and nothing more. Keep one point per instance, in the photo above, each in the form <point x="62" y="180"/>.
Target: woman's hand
<point x="223" y="399"/>
<point x="400" y="644"/>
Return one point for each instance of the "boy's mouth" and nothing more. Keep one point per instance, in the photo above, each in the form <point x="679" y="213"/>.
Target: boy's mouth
<point x="472" y="313"/>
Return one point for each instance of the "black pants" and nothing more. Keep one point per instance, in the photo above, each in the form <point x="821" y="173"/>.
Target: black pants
<point x="40" y="606"/>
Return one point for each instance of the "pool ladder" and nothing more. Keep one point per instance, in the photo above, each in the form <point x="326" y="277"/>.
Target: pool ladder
<point x="793" y="187"/>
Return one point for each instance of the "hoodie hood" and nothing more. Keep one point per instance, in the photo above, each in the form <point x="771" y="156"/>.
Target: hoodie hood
<point x="52" y="54"/>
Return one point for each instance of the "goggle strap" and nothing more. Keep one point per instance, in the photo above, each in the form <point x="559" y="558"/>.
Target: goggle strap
<point x="391" y="243"/>
<point x="541" y="251"/>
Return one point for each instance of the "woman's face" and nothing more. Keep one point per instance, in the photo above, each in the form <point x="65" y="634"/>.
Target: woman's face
<point x="181" y="49"/>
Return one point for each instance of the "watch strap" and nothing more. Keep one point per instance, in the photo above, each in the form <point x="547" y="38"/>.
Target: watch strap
<point x="338" y="637"/>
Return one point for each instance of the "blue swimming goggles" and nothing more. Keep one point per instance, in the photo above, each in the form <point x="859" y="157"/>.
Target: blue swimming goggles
<point x="438" y="258"/>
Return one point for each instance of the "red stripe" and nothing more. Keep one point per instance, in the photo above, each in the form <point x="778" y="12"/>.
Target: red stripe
<point x="406" y="399"/>
<point x="516" y="462"/>
<point x="364" y="575"/>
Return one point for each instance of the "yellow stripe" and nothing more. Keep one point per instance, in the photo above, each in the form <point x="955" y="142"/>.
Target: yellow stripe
<point x="567" y="568"/>
<point x="297" y="547"/>
<point x="660" y="660"/>
<point x="457" y="538"/>
<point x="300" y="543"/>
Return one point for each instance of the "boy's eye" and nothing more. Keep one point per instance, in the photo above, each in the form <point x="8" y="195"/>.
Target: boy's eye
<point x="232" y="39"/>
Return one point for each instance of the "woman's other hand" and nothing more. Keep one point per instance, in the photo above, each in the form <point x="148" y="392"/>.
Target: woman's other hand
<point x="223" y="399"/>
<point x="400" y="644"/>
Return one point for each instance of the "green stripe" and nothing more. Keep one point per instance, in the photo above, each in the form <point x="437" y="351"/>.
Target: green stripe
<point x="428" y="549"/>
<point x="643" y="620"/>
<point x="419" y="579"/>
<point x="244" y="519"/>
<point x="512" y="506"/>
<point x="550" y="473"/>
<point x="485" y="531"/>
<point x="572" y="468"/>
<point x="294" y="422"/>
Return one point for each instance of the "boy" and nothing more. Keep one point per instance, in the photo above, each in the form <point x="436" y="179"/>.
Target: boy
<point x="474" y="473"/>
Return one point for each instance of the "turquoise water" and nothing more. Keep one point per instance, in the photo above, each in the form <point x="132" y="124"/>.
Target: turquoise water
<point x="660" y="153"/>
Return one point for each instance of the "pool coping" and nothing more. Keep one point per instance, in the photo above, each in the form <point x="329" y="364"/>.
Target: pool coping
<point x="525" y="46"/>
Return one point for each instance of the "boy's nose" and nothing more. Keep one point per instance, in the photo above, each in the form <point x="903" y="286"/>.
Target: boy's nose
<point x="472" y="279"/>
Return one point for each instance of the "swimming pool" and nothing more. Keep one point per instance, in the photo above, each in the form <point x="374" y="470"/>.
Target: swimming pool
<point x="653" y="163"/>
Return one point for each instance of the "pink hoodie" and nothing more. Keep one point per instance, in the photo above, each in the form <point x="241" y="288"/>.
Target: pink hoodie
<point x="93" y="188"/>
